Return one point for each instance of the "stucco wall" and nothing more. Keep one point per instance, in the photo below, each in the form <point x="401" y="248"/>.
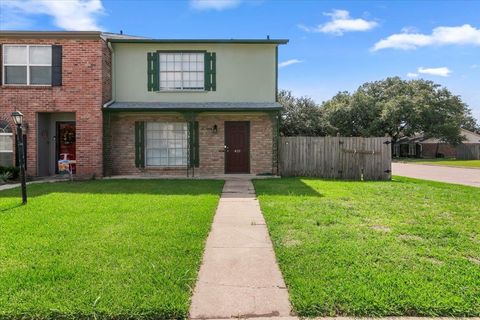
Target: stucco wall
<point x="245" y="73"/>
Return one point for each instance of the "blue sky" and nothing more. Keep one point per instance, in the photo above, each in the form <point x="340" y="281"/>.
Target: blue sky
<point x="334" y="46"/>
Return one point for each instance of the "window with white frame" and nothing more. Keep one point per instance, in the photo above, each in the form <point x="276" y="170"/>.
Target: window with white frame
<point x="6" y="144"/>
<point x="166" y="144"/>
<point x="27" y="64"/>
<point x="182" y="70"/>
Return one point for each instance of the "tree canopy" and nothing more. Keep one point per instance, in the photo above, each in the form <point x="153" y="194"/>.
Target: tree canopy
<point x="393" y="107"/>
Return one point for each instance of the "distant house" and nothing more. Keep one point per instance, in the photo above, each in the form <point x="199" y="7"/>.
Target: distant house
<point x="419" y="146"/>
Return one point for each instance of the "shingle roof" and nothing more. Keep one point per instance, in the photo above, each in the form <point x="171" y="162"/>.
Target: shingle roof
<point x="194" y="106"/>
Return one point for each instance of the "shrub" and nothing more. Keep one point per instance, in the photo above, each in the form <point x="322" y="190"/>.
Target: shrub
<point x="13" y="172"/>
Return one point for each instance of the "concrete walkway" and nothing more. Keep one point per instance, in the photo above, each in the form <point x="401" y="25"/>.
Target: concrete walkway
<point x="465" y="176"/>
<point x="239" y="276"/>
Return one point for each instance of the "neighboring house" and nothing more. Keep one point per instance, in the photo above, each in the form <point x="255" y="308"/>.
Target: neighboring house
<point x="420" y="147"/>
<point x="192" y="106"/>
<point x="121" y="105"/>
<point x="59" y="81"/>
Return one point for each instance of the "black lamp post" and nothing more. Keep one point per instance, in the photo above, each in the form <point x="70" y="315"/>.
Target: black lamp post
<point x="18" y="120"/>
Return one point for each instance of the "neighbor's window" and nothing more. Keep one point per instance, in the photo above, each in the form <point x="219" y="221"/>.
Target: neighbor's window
<point x="27" y="64"/>
<point x="6" y="144"/>
<point x="182" y="71"/>
<point x="166" y="143"/>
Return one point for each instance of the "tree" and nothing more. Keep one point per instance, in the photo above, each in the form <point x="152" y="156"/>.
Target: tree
<point x="300" y="116"/>
<point x="399" y="108"/>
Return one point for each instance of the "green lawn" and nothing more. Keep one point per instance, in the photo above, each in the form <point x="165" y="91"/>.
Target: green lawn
<point x="402" y="247"/>
<point x="112" y="249"/>
<point x="445" y="162"/>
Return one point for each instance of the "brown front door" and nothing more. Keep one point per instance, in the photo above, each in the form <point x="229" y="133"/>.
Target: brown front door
<point x="237" y="147"/>
<point x="66" y="136"/>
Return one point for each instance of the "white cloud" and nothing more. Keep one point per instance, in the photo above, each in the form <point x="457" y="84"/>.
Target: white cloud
<point x="412" y="75"/>
<point x="474" y="66"/>
<point x="289" y="62"/>
<point x="441" y="72"/>
<point x="67" y="14"/>
<point x="461" y="35"/>
<point x="218" y="5"/>
<point x="340" y="23"/>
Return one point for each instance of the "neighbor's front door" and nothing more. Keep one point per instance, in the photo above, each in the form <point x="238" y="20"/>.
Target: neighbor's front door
<point x="237" y="147"/>
<point x="66" y="142"/>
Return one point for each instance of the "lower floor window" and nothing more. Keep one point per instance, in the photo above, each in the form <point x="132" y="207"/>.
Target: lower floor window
<point x="6" y="144"/>
<point x="166" y="143"/>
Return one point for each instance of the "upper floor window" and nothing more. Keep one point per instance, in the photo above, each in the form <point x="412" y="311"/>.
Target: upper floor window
<point x="6" y="144"/>
<point x="182" y="71"/>
<point x="27" y="64"/>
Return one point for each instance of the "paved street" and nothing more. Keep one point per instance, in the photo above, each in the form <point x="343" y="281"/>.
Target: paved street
<point x="465" y="176"/>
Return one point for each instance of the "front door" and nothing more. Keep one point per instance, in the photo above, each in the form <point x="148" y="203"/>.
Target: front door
<point x="237" y="147"/>
<point x="66" y="136"/>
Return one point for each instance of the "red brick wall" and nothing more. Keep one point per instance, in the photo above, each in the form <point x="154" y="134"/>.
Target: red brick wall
<point x="429" y="150"/>
<point x="212" y="159"/>
<point x="85" y="86"/>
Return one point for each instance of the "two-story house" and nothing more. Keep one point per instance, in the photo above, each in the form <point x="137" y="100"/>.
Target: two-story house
<point x="192" y="106"/>
<point x="121" y="105"/>
<point x="59" y="81"/>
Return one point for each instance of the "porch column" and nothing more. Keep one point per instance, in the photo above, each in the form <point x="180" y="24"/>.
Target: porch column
<point x="191" y="117"/>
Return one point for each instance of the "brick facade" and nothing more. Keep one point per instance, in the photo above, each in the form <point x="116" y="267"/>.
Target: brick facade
<point x="211" y="145"/>
<point x="430" y="150"/>
<point x="86" y="85"/>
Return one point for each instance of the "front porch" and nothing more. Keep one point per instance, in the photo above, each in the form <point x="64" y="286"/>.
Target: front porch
<point x="190" y="142"/>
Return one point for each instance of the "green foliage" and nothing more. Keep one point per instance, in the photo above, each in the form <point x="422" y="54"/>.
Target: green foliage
<point x="13" y="172"/>
<point x="395" y="248"/>
<point x="392" y="107"/>
<point x="300" y="116"/>
<point x="109" y="249"/>
<point x="399" y="108"/>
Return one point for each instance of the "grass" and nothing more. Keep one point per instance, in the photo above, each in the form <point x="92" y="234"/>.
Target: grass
<point x="112" y="249"/>
<point x="444" y="162"/>
<point x="403" y="247"/>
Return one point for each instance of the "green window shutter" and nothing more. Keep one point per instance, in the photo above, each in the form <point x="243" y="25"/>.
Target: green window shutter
<point x="139" y="144"/>
<point x="194" y="144"/>
<point x="213" y="84"/>
<point x="210" y="71"/>
<point x="152" y="71"/>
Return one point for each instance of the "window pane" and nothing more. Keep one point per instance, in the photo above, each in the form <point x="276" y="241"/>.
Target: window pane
<point x="40" y="75"/>
<point x="6" y="159"/>
<point x="40" y="55"/>
<point x="170" y="148"/>
<point x="15" y="75"/>
<point x="6" y="143"/>
<point x="15" y="55"/>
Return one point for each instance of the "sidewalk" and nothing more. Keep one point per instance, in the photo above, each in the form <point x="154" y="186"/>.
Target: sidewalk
<point x="239" y="276"/>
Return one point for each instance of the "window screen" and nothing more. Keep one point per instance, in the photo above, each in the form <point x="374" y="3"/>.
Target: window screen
<point x="166" y="144"/>
<point x="182" y="71"/>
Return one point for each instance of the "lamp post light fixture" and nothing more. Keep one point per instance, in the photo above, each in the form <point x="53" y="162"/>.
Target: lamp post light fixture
<point x="17" y="117"/>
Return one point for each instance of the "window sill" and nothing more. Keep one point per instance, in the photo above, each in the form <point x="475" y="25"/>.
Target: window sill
<point x="180" y="91"/>
<point x="26" y="86"/>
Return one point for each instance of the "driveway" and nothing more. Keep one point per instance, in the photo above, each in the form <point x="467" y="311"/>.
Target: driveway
<point x="469" y="177"/>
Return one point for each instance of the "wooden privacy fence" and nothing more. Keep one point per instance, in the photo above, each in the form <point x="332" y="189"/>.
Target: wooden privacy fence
<point x="468" y="151"/>
<point x="350" y="158"/>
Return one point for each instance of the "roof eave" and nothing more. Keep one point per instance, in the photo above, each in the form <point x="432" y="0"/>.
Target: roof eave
<point x="51" y="34"/>
<point x="202" y="41"/>
<point x="190" y="109"/>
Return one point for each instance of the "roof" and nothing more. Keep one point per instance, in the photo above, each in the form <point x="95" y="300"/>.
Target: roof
<point x="201" y="41"/>
<point x="111" y="35"/>
<point x="51" y="34"/>
<point x="470" y="137"/>
<point x="194" y="106"/>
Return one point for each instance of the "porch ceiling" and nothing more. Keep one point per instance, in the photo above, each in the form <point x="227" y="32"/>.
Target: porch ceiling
<point x="193" y="106"/>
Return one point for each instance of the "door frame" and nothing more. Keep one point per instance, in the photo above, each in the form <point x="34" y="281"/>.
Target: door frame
<point x="57" y="141"/>
<point x="248" y="146"/>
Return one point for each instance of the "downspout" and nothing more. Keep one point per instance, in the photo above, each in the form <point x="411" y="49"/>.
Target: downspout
<point x="106" y="113"/>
